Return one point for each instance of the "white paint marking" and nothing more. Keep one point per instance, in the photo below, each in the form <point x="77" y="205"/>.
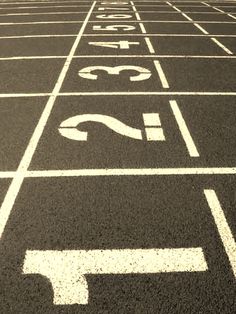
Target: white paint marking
<point x="161" y="74"/>
<point x="15" y="95"/>
<point x="143" y="73"/>
<point x="39" y="36"/>
<point x="44" y="7"/>
<point x="223" y="227"/>
<point x="68" y="94"/>
<point x="187" y="17"/>
<point x="31" y="58"/>
<point x="157" y="35"/>
<point x="7" y="174"/>
<point x="201" y="28"/>
<point x="131" y="172"/>
<point x="213" y="7"/>
<point x="149" y="44"/>
<point x="117" y="172"/>
<point x="142" y="28"/>
<point x="67" y="270"/>
<point x="234" y="17"/>
<point x="17" y="181"/>
<point x="221" y="46"/>
<point x="41" y="13"/>
<point x="137" y="16"/>
<point x="68" y="128"/>
<point x="193" y="152"/>
<point x="41" y="22"/>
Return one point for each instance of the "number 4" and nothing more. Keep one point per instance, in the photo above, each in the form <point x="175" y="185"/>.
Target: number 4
<point x="122" y="44"/>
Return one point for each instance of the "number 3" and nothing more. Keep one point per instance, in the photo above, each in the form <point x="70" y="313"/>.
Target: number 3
<point x="144" y="74"/>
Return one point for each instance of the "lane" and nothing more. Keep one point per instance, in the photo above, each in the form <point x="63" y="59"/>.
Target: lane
<point x="117" y="158"/>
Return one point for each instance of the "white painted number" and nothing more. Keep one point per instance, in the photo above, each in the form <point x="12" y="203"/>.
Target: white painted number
<point x="152" y="123"/>
<point x="67" y="270"/>
<point x="114" y="16"/>
<point x="144" y="74"/>
<point x="122" y="44"/>
<point x="113" y="28"/>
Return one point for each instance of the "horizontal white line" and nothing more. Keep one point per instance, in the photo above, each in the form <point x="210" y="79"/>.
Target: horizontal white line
<point x="38" y="36"/>
<point x="15" y="95"/>
<point x="7" y="174"/>
<point x="156" y="56"/>
<point x="123" y="172"/>
<point x="67" y="94"/>
<point x="166" y="21"/>
<point x="43" y="2"/>
<point x="112" y="35"/>
<point x="81" y="1"/>
<point x="116" y="21"/>
<point x="40" y="13"/>
<point x="45" y="7"/>
<point x="132" y="172"/>
<point x="31" y="58"/>
<point x="40" y="22"/>
<point x="159" y="35"/>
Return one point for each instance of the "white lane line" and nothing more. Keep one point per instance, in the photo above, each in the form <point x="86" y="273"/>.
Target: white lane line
<point x="155" y="35"/>
<point x="17" y="181"/>
<point x="68" y="94"/>
<point x="208" y="5"/>
<point x="201" y="28"/>
<point x="142" y="28"/>
<point x="31" y="58"/>
<point x="120" y="56"/>
<point x="66" y="270"/>
<point x="192" y="149"/>
<point x="7" y="174"/>
<point x="222" y="226"/>
<point x="81" y="1"/>
<point x="187" y="17"/>
<point x="123" y="172"/>
<point x="132" y="172"/>
<point x="116" y="11"/>
<point x="161" y="74"/>
<point x="234" y="17"/>
<point x="42" y="2"/>
<point x="137" y="16"/>
<point x="215" y="8"/>
<point x="39" y="36"/>
<point x="45" y="7"/>
<point x="40" y="22"/>
<point x="149" y="44"/>
<point x="41" y="13"/>
<point x="166" y="21"/>
<point x="15" y="95"/>
<point x="221" y="46"/>
<point x="155" y="56"/>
